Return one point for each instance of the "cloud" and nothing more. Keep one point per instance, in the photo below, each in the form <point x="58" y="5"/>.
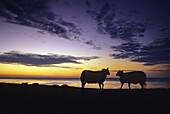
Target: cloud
<point x="91" y="43"/>
<point x="66" y="3"/>
<point x="88" y="4"/>
<point x="127" y="47"/>
<point x="159" y="70"/>
<point x="129" y="26"/>
<point x="128" y="13"/>
<point x="37" y="14"/>
<point x="143" y="70"/>
<point x="117" y="25"/>
<point x="156" y="52"/>
<point x="56" y="66"/>
<point x="141" y="35"/>
<point x="98" y="1"/>
<point x="126" y="50"/>
<point x="31" y="59"/>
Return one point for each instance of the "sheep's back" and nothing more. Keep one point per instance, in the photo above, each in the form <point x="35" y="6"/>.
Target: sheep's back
<point x="92" y="76"/>
<point x="134" y="77"/>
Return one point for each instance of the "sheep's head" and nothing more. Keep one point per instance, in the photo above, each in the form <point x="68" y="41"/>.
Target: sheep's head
<point x="107" y="71"/>
<point x="119" y="73"/>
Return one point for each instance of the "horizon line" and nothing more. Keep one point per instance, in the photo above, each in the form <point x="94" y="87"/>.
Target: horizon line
<point x="53" y="77"/>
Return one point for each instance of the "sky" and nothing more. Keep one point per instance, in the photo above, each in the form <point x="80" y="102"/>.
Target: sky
<point x="61" y="38"/>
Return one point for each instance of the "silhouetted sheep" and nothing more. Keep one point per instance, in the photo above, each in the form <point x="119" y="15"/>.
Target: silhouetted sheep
<point x="55" y="85"/>
<point x="35" y="84"/>
<point x="88" y="76"/>
<point x="132" y="77"/>
<point x="64" y="85"/>
<point x="24" y="83"/>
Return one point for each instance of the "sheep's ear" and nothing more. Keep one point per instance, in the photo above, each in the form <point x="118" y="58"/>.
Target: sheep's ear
<point x="107" y="68"/>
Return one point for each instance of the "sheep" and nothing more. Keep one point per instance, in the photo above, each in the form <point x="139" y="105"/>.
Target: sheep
<point x="88" y="76"/>
<point x="132" y="77"/>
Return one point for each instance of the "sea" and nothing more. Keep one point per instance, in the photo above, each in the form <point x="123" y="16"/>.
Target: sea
<point x="110" y="83"/>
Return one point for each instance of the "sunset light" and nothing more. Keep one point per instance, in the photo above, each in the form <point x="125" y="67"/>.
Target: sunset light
<point x="84" y="56"/>
<point x="56" y="39"/>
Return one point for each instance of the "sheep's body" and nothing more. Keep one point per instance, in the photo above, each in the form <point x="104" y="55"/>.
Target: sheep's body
<point x="93" y="76"/>
<point x="132" y="77"/>
<point x="88" y="76"/>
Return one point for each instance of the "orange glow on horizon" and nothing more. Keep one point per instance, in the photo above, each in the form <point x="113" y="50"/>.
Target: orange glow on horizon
<point x="21" y="70"/>
<point x="31" y="71"/>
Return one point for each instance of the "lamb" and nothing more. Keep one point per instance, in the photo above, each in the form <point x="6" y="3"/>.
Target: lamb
<point x="132" y="77"/>
<point x="88" y="76"/>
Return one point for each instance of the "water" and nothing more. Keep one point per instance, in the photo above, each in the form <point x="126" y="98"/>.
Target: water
<point x="110" y="83"/>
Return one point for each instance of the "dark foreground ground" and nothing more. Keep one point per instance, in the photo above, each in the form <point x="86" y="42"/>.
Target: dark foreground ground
<point x="33" y="98"/>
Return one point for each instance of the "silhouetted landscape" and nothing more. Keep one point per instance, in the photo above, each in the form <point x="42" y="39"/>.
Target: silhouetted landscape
<point x="20" y="98"/>
<point x="84" y="56"/>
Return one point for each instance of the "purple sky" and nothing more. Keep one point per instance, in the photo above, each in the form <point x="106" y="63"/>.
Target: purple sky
<point x="137" y="31"/>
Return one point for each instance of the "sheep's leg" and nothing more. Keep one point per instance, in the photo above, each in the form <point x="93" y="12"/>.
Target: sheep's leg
<point x="129" y="85"/>
<point x="100" y="85"/>
<point x="83" y="84"/>
<point x="121" y="85"/>
<point x="141" y="85"/>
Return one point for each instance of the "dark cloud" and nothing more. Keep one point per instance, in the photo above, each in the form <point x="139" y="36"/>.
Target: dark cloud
<point x="125" y="30"/>
<point x="141" y="35"/>
<point x="143" y="70"/>
<point x="30" y="59"/>
<point x="127" y="47"/>
<point x="128" y="13"/>
<point x="116" y="26"/>
<point x="66" y="3"/>
<point x="75" y="16"/>
<point x="127" y="26"/>
<point x="88" y="4"/>
<point x="156" y="52"/>
<point x="158" y="70"/>
<point x="56" y="66"/>
<point x="37" y="14"/>
<point x="91" y="43"/>
<point x="126" y="50"/>
<point x="92" y="13"/>
<point x="98" y="1"/>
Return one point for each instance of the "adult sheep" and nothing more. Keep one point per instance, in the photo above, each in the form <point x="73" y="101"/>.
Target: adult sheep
<point x="132" y="77"/>
<point x="88" y="76"/>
